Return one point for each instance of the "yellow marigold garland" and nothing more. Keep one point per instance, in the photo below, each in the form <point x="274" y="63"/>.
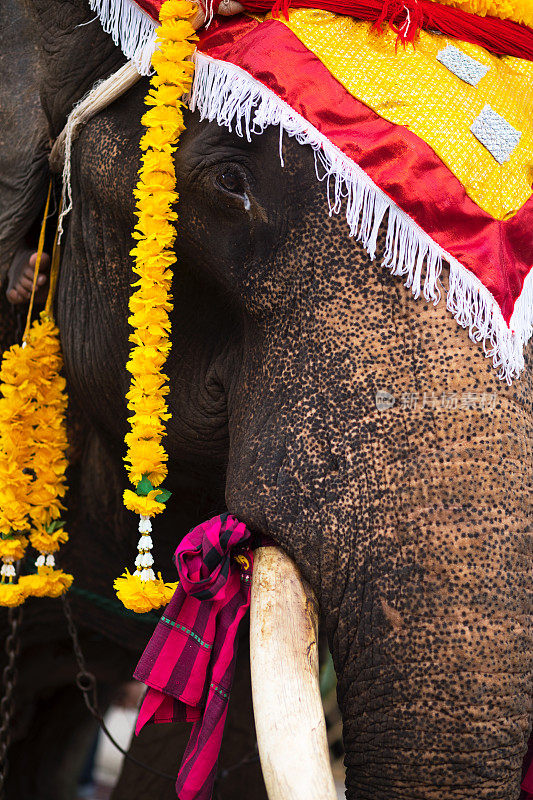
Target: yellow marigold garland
<point x="49" y="462"/>
<point x="151" y="300"/>
<point x="33" y="443"/>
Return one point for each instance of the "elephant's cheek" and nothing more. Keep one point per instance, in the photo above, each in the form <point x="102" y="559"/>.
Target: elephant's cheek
<point x="411" y="521"/>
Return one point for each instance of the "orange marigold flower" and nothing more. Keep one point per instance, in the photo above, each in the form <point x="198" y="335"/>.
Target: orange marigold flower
<point x="48" y="542"/>
<point x="11" y="594"/>
<point x="13" y="547"/>
<point x="146" y="457"/>
<point x="47" y="582"/>
<point x="143" y="596"/>
<point x="147" y="506"/>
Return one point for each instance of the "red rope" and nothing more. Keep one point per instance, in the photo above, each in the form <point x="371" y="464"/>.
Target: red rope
<point x="407" y="17"/>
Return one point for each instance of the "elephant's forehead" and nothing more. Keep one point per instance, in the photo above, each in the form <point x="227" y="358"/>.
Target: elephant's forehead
<point x="210" y="141"/>
<point x="436" y="139"/>
<point x="439" y="137"/>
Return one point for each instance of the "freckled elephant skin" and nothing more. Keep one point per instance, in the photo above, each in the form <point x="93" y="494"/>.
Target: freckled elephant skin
<point x="411" y="523"/>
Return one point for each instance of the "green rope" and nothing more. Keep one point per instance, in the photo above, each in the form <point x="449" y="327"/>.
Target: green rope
<point x="114" y="606"/>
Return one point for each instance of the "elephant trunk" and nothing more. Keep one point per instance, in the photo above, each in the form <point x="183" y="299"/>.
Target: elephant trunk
<point x="378" y="448"/>
<point x="430" y="636"/>
<point x="432" y="642"/>
<point x="435" y="683"/>
<point x="420" y="557"/>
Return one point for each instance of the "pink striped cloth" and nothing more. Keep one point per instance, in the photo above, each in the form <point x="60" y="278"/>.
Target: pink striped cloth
<point x="189" y="662"/>
<point x="527" y="782"/>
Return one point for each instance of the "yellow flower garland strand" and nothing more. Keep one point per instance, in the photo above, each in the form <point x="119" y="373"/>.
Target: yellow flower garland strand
<point x="49" y="462"/>
<point x="16" y="376"/>
<point x="33" y="443"/>
<point x="151" y="301"/>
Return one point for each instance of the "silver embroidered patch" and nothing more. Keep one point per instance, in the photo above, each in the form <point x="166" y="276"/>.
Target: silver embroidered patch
<point x="462" y="65"/>
<point x="498" y="136"/>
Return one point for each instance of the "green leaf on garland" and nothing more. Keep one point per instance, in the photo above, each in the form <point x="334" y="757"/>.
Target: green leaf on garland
<point x="54" y="525"/>
<point x="144" y="487"/>
<point x="163" y="496"/>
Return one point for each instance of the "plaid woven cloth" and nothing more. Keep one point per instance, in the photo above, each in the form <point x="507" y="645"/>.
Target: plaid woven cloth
<point x="189" y="662"/>
<point x="527" y="770"/>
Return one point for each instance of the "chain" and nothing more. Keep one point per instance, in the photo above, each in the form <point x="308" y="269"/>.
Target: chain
<point x="86" y="683"/>
<point x="251" y="758"/>
<point x="9" y="682"/>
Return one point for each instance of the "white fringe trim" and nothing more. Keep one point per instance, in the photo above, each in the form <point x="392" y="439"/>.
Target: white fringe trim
<point x="225" y="93"/>
<point x="131" y="28"/>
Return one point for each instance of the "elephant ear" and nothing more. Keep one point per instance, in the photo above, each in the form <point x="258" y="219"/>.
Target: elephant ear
<point x="24" y="140"/>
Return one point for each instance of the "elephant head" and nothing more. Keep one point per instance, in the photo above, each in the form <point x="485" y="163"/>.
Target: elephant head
<point x="410" y="518"/>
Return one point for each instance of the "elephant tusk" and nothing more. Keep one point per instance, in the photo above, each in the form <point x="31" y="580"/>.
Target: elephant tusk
<point x="289" y="718"/>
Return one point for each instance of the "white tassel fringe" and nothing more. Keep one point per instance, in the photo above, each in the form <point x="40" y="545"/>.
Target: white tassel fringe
<point x="224" y="93"/>
<point x="131" y="28"/>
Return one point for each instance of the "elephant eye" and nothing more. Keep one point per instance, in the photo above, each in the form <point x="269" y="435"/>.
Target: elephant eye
<point x="232" y="181"/>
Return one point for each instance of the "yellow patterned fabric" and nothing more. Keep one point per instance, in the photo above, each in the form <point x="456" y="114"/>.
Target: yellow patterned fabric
<point x="515" y="10"/>
<point x="409" y="86"/>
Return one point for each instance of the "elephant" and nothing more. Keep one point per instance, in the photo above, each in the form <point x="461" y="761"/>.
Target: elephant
<point x="410" y="520"/>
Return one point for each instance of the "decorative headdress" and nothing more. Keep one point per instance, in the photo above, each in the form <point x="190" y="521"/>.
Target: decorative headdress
<point x="462" y="146"/>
